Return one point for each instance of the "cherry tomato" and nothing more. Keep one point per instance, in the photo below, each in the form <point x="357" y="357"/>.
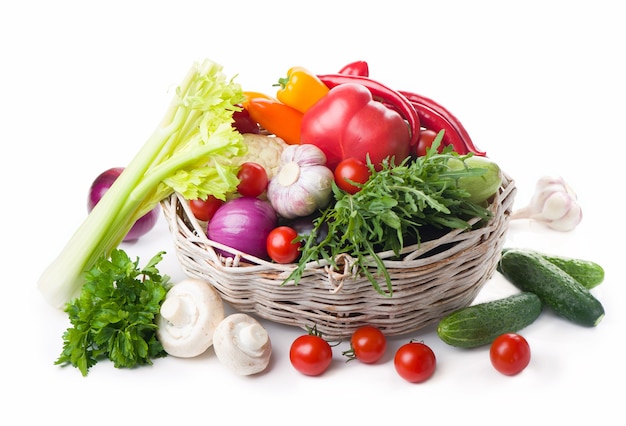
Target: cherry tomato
<point x="205" y="209"/>
<point x="280" y="245"/>
<point x="510" y="353"/>
<point x="310" y="354"/>
<point x="367" y="344"/>
<point x="425" y="141"/>
<point x="354" y="170"/>
<point x="415" y="362"/>
<point x="252" y="179"/>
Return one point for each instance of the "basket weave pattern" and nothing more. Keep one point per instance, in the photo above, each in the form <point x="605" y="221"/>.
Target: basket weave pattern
<point x="431" y="279"/>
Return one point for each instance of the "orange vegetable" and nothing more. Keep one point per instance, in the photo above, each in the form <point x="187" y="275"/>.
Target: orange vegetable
<point x="275" y="117"/>
<point x="300" y="89"/>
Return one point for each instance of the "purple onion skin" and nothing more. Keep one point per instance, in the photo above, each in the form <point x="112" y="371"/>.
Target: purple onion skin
<point x="102" y="184"/>
<point x="243" y="224"/>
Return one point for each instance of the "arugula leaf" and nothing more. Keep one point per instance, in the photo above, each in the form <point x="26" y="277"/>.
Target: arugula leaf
<point x="395" y="203"/>
<point x="114" y="315"/>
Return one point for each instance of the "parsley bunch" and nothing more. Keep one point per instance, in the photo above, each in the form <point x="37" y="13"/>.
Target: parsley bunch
<point x="393" y="205"/>
<point x="114" y="316"/>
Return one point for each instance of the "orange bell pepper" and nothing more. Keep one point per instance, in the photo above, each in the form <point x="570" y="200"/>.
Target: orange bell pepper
<point x="274" y="116"/>
<point x="300" y="89"/>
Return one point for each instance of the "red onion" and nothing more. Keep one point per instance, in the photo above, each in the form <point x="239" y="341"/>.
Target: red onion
<point x="243" y="224"/>
<point x="102" y="184"/>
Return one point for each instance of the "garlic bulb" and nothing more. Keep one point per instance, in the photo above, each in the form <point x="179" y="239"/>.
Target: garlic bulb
<point x="553" y="203"/>
<point x="303" y="184"/>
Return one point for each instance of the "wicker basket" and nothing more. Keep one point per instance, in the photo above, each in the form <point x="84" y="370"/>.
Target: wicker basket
<point x="431" y="280"/>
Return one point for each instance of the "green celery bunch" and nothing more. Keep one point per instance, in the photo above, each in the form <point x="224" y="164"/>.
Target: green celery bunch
<point x="190" y="152"/>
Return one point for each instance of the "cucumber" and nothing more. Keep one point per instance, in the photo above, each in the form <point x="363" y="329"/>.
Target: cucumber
<point x="480" y="324"/>
<point x="586" y="272"/>
<point x="530" y="271"/>
<point x="481" y="187"/>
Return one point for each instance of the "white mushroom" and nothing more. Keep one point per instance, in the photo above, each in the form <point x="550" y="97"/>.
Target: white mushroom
<point x="242" y="344"/>
<point x="191" y="311"/>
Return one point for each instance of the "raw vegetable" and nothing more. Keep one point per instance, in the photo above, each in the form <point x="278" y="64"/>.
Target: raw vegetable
<point x="367" y="344"/>
<point x="115" y="315"/>
<point x="300" y="89"/>
<point x="415" y="362"/>
<point x="588" y="273"/>
<point x="567" y="297"/>
<point x="242" y="344"/>
<point x="264" y="150"/>
<point x="303" y="184"/>
<point x="359" y="68"/>
<point x="348" y="122"/>
<point x="204" y="210"/>
<point x="480" y="324"/>
<point x="310" y="354"/>
<point x="482" y="187"/>
<point x="101" y="185"/>
<point x="351" y="174"/>
<point x="252" y="179"/>
<point x="305" y="225"/>
<point x="427" y="137"/>
<point x="434" y="116"/>
<point x="394" y="99"/>
<point x="243" y="224"/>
<point x="393" y="205"/>
<point x="275" y="117"/>
<point x="554" y="203"/>
<point x="190" y="152"/>
<point x="282" y="246"/>
<point x="510" y="354"/>
<point x="191" y="311"/>
<point x="243" y="123"/>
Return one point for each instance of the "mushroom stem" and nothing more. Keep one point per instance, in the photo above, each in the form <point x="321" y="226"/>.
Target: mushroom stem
<point x="252" y="337"/>
<point x="178" y="311"/>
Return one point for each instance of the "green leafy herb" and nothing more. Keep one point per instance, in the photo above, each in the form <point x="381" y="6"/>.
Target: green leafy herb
<point x="114" y="316"/>
<point x="392" y="205"/>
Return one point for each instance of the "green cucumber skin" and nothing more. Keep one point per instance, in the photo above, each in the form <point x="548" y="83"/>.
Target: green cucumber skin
<point x="586" y="272"/>
<point x="568" y="298"/>
<point x="480" y="324"/>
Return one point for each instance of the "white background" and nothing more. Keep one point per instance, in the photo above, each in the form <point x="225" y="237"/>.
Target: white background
<point x="538" y="84"/>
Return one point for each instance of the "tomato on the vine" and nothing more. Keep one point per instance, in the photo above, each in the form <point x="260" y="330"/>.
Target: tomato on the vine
<point x="415" y="362"/>
<point x="310" y="354"/>
<point x="205" y="209"/>
<point x="367" y="344"/>
<point x="252" y="179"/>
<point x="351" y="169"/>
<point x="280" y="244"/>
<point x="510" y="353"/>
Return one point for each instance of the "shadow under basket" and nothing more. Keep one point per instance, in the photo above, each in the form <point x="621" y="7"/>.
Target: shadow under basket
<point x="429" y="280"/>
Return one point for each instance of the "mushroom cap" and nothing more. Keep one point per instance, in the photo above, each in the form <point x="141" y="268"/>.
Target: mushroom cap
<point x="242" y="344"/>
<point x="191" y="311"/>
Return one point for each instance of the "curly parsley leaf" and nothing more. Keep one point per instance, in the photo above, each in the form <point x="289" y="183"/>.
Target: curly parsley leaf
<point x="114" y="316"/>
<point x="394" y="204"/>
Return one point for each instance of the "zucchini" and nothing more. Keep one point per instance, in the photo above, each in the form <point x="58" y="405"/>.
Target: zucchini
<point x="586" y="272"/>
<point x="530" y="271"/>
<point x="480" y="324"/>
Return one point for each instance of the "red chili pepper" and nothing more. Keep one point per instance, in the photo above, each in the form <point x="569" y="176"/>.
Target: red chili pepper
<point x="434" y="116"/>
<point x="359" y="68"/>
<point x="348" y="122"/>
<point x="379" y="91"/>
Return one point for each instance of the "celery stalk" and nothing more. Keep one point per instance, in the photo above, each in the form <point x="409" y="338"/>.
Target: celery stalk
<point x="189" y="152"/>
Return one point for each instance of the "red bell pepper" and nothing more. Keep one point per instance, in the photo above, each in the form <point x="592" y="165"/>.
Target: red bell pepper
<point x="348" y="122"/>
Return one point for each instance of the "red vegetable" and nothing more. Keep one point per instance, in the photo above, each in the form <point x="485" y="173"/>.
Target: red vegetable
<point x="435" y="117"/>
<point x="102" y="184"/>
<point x="252" y="179"/>
<point x="347" y="122"/>
<point x="205" y="209"/>
<point x="394" y="99"/>
<point x="415" y="362"/>
<point x="509" y="353"/>
<point x="351" y="170"/>
<point x="310" y="354"/>
<point x="243" y="224"/>
<point x="359" y="68"/>
<point x="244" y="123"/>
<point x="280" y="245"/>
<point x="367" y="344"/>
